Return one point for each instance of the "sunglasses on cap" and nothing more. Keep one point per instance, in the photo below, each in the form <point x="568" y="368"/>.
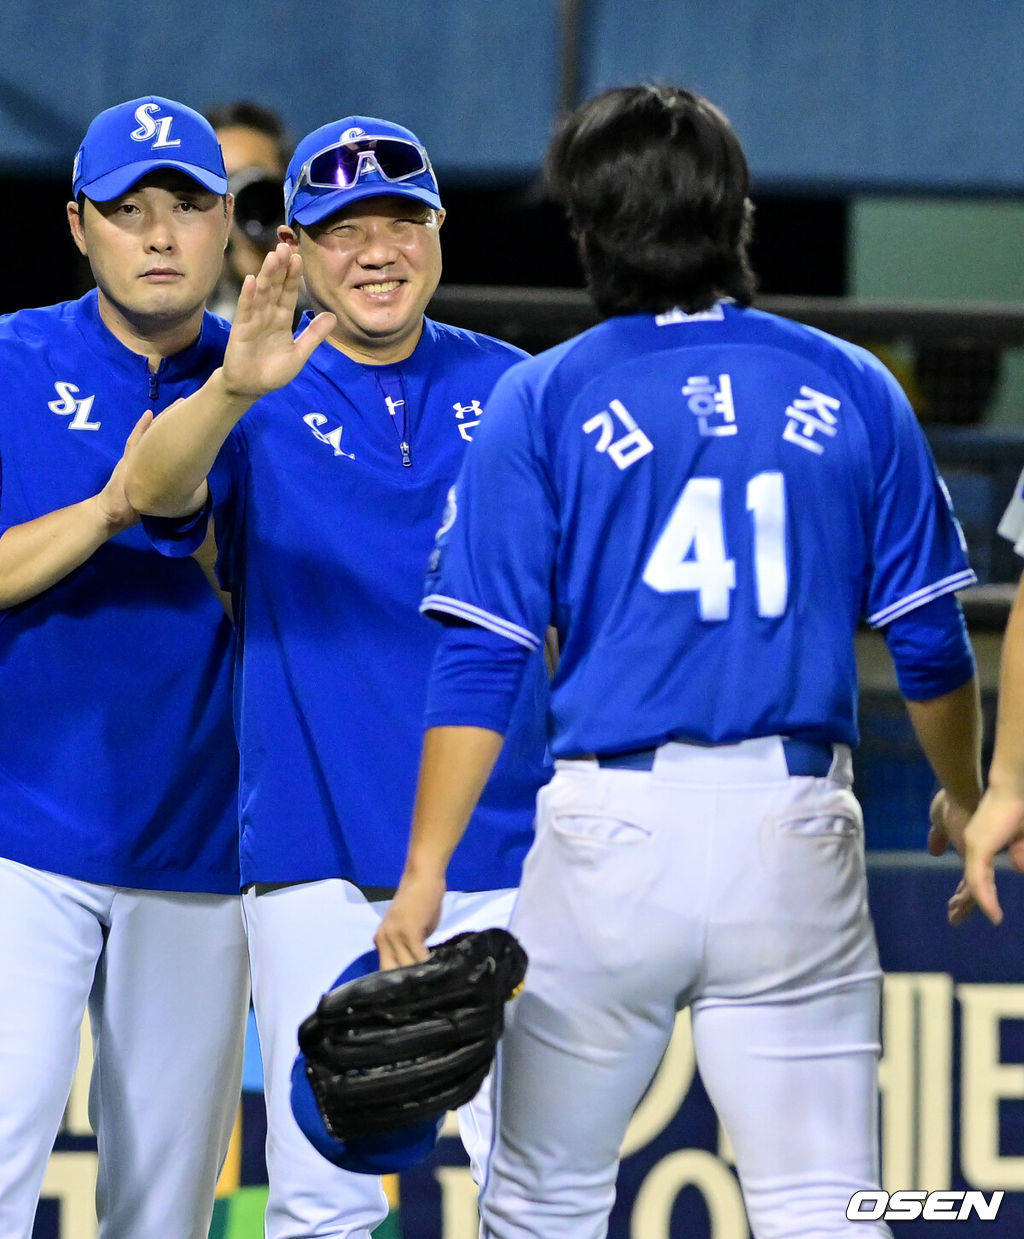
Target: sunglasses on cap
<point x="340" y="166"/>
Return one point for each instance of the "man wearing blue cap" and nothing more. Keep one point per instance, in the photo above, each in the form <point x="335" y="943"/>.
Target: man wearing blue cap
<point x="118" y="770"/>
<point x="327" y="494"/>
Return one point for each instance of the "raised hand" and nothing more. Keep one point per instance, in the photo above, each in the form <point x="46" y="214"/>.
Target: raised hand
<point x="262" y="354"/>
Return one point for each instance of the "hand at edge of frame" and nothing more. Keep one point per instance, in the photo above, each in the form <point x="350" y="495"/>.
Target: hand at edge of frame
<point x="997" y="825"/>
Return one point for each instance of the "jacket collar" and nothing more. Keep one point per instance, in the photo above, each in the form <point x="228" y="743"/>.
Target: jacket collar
<point x="198" y="359"/>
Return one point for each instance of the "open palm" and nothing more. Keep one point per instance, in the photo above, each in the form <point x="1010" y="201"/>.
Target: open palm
<point x="262" y="354"/>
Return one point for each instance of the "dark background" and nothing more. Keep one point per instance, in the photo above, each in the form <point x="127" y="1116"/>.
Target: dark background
<point x="494" y="234"/>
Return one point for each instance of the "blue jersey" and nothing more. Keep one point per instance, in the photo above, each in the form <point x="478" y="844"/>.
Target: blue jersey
<point x="327" y="495"/>
<point x="705" y="506"/>
<point x="117" y="755"/>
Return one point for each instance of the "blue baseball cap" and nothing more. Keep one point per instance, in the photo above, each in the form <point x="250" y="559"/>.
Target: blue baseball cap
<point x="382" y="1153"/>
<point x="356" y="157"/>
<point x="126" y="142"/>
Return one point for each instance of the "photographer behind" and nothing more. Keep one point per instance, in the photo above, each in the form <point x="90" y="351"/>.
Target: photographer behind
<point x="256" y="148"/>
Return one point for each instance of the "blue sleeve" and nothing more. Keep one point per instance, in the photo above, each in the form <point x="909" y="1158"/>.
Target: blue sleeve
<point x="475" y="679"/>
<point x="178" y="536"/>
<point x="918" y="548"/>
<point x="930" y="649"/>
<point x="492" y="565"/>
<point x="227" y="480"/>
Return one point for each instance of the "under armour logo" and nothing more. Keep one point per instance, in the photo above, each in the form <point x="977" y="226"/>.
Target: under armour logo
<point x="68" y="406"/>
<point x="474" y="410"/>
<point x="148" y="126"/>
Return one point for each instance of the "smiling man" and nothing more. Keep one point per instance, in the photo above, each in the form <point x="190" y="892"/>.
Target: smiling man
<point x="327" y="494"/>
<point x="118" y="768"/>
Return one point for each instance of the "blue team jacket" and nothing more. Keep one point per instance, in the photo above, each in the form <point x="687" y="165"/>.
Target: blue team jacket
<point x="118" y="761"/>
<point x="325" y="535"/>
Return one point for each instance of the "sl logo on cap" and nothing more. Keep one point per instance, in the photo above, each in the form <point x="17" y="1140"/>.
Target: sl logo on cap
<point x="148" y="126"/>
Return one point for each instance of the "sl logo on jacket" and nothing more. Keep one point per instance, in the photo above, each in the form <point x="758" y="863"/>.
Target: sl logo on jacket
<point x="333" y="437"/>
<point x="68" y="406"/>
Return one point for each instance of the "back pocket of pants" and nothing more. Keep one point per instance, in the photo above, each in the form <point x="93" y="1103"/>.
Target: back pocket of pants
<point x="605" y="831"/>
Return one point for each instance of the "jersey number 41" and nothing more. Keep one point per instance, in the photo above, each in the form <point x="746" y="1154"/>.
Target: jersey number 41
<point x="690" y="554"/>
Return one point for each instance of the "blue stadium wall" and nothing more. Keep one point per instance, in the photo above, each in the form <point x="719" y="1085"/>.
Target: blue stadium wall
<point x="824" y="93"/>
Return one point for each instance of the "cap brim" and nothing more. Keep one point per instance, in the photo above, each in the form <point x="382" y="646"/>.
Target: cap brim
<point x="384" y="1153"/>
<point x="113" y="184"/>
<point x="320" y="207"/>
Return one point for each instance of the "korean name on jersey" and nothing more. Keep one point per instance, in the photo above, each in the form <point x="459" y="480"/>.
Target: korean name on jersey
<point x="697" y="491"/>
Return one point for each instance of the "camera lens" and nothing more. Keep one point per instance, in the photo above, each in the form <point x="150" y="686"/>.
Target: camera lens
<point x="259" y="204"/>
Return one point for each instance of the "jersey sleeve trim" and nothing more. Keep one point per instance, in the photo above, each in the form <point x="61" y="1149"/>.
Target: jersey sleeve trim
<point x="483" y="619"/>
<point x="959" y="580"/>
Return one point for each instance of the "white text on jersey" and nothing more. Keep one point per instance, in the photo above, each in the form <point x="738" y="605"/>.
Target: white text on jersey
<point x="474" y="410"/>
<point x="677" y="315"/>
<point x="690" y="554"/>
<point x="68" y="405"/>
<point x="627" y="450"/>
<point x="811" y="413"/>
<point x="333" y="437"/>
<point x="148" y="127"/>
<point x="708" y="401"/>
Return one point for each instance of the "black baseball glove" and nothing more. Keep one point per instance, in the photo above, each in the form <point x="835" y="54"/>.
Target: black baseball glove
<point x="392" y="1049"/>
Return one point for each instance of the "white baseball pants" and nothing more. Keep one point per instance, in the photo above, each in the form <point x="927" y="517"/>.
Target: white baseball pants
<point x="301" y="938"/>
<point x="715" y="880"/>
<point x="165" y="979"/>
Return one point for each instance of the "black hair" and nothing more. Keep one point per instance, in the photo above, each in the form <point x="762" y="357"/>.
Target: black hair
<point x="245" y="114"/>
<point x="655" y="184"/>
